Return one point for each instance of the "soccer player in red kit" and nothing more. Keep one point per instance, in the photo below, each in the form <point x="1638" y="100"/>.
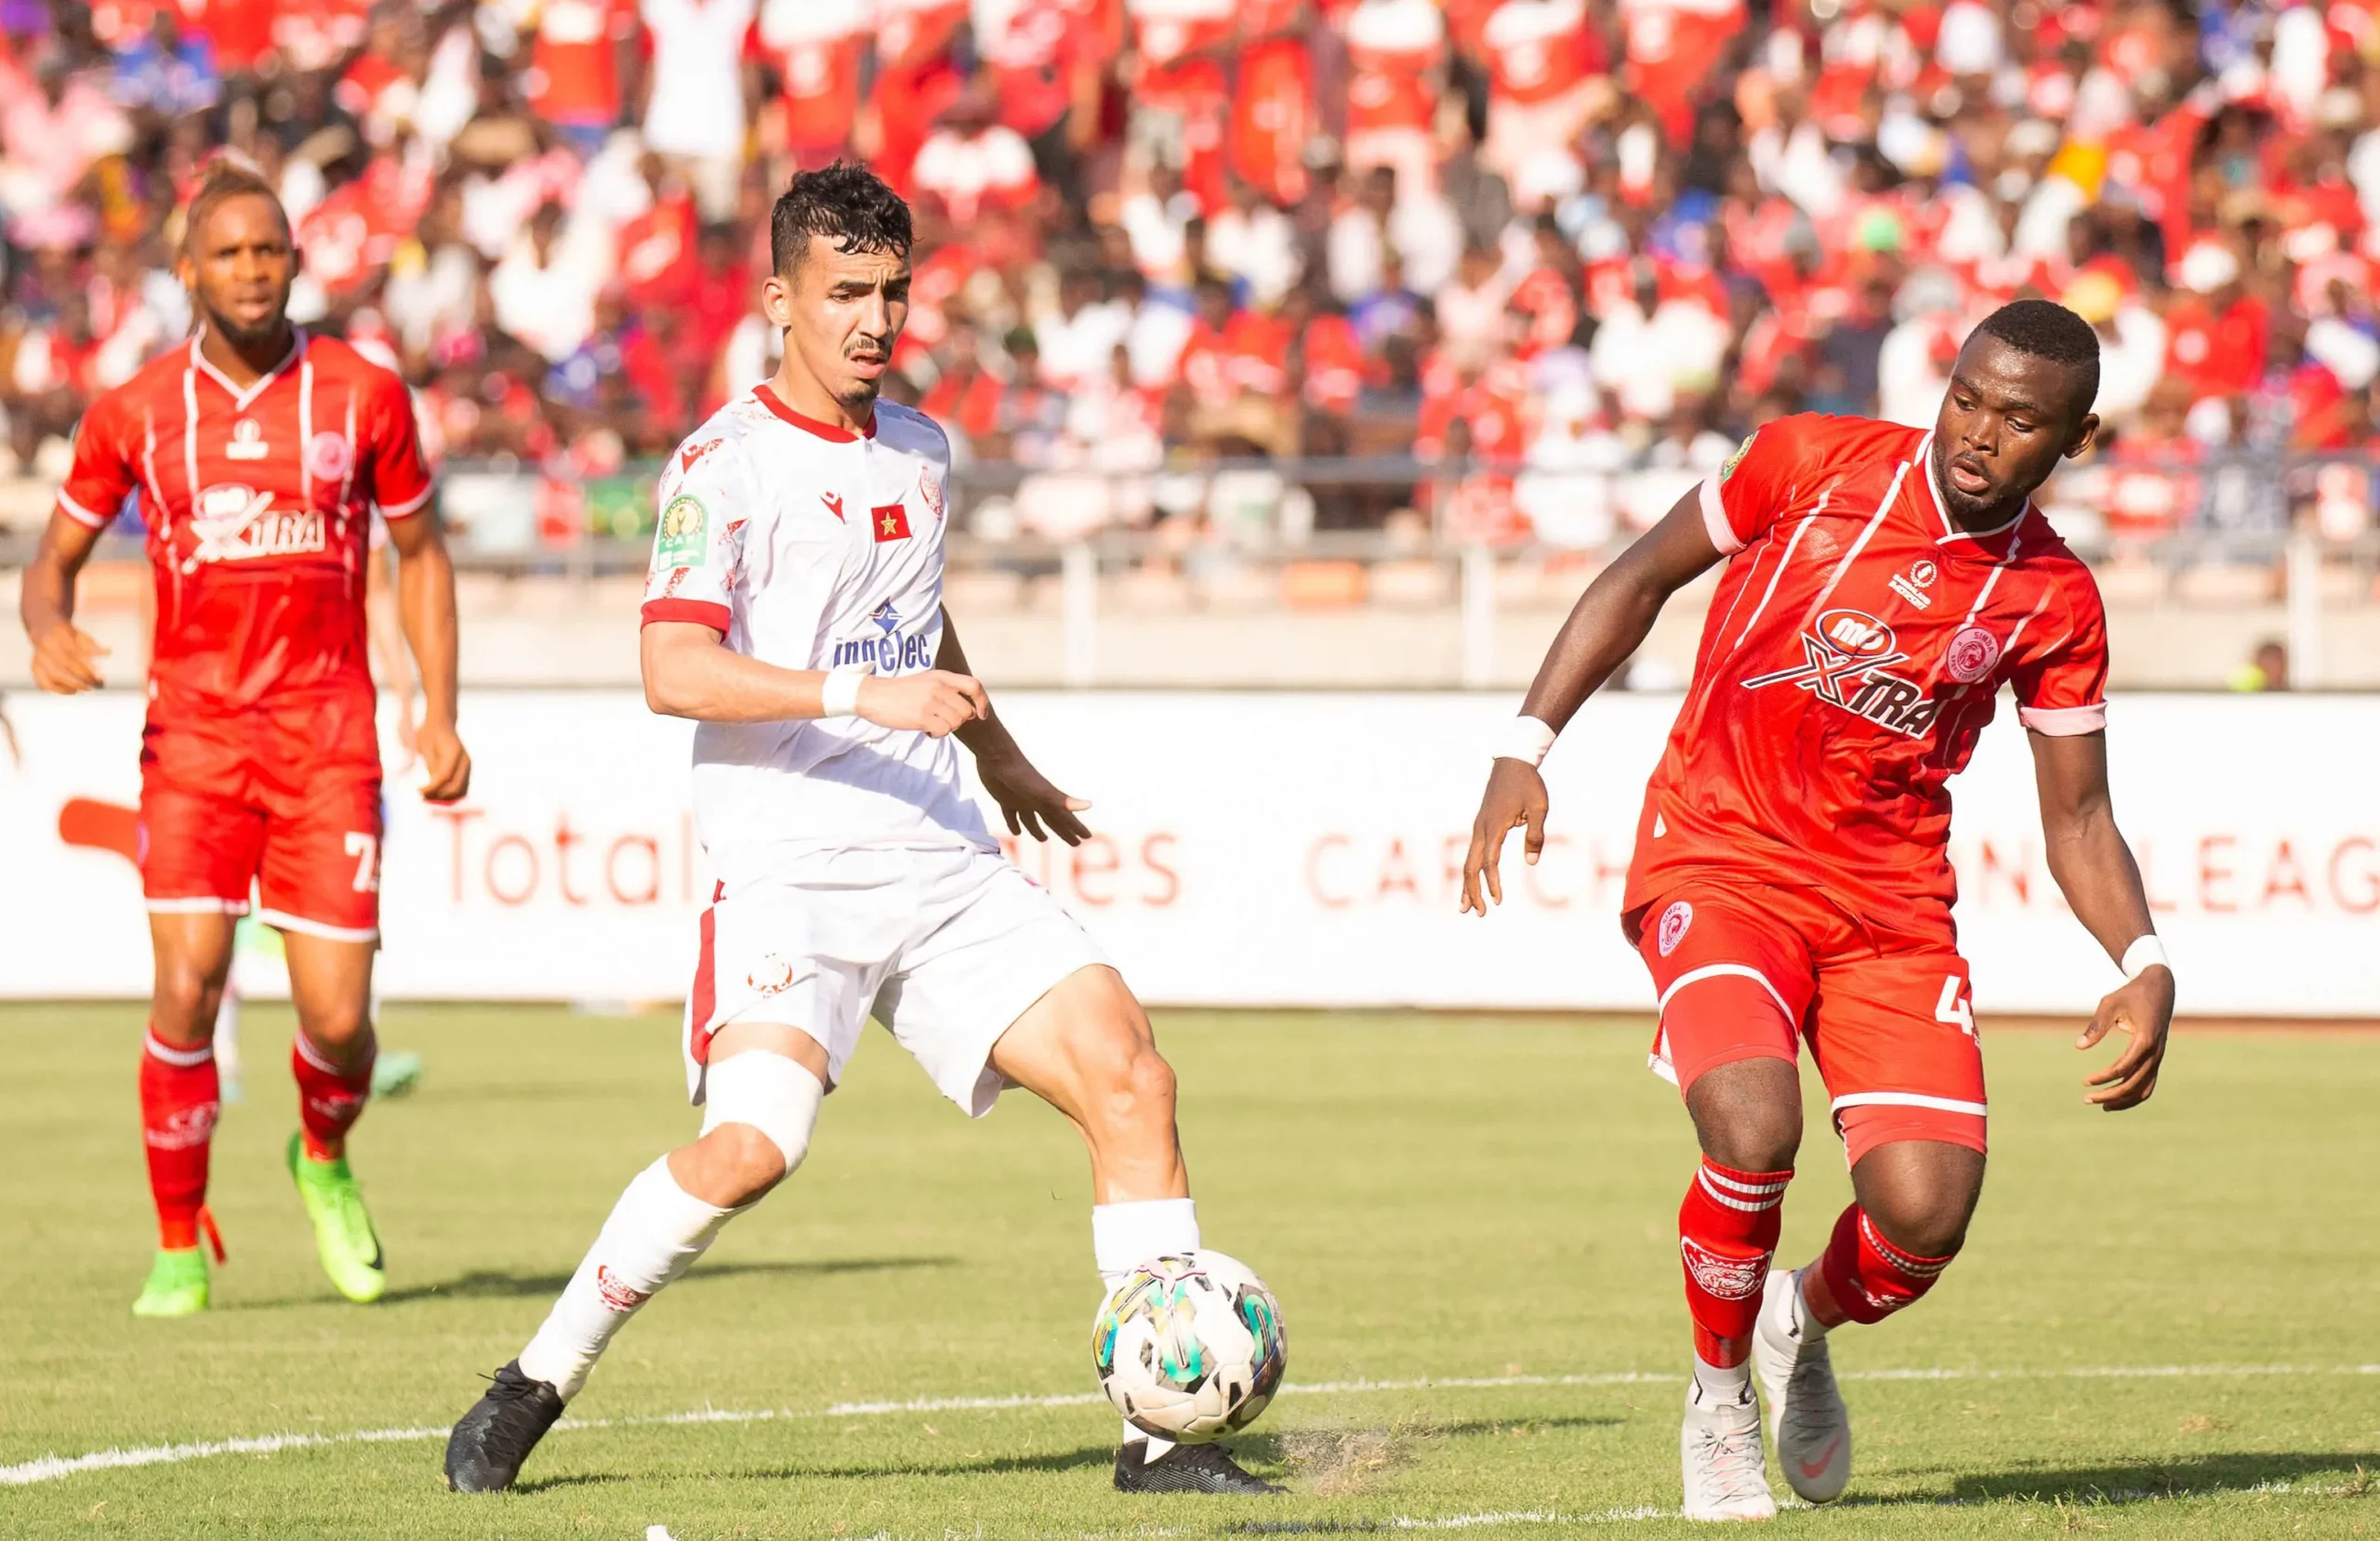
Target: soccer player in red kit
<point x="1791" y="883"/>
<point x="258" y="455"/>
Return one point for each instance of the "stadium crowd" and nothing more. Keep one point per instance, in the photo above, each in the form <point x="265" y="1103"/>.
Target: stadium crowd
<point x="1582" y="243"/>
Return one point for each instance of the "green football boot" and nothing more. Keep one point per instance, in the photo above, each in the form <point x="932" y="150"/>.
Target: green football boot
<point x="343" y="1233"/>
<point x="177" y="1284"/>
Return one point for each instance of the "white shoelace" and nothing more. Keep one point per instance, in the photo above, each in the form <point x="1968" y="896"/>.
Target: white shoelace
<point x="1732" y="1459"/>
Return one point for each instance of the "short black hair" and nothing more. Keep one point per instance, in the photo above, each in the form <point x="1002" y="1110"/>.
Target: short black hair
<point x="2046" y="330"/>
<point x="844" y="202"/>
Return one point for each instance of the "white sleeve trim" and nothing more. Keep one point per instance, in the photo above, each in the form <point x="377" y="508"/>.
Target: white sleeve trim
<point x="2064" y="721"/>
<point x="411" y="506"/>
<point x="1714" y="519"/>
<point x="79" y="514"/>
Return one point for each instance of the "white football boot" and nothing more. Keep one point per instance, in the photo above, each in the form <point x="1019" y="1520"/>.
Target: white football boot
<point x="1806" y="1419"/>
<point x="1719" y="1447"/>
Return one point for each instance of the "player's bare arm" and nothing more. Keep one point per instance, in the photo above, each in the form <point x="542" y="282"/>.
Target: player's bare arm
<point x="2096" y="872"/>
<point x="65" y="657"/>
<point x="690" y="672"/>
<point x="426" y="608"/>
<point x="384" y="629"/>
<point x="1027" y="798"/>
<point x="1609" y="624"/>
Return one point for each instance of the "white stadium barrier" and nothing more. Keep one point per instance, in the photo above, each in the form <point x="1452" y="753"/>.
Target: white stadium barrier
<point x="1265" y="849"/>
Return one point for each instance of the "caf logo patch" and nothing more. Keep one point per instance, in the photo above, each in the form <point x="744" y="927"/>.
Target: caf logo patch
<point x="1727" y="468"/>
<point x="685" y="532"/>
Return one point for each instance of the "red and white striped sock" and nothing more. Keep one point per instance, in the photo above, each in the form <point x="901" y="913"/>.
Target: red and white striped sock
<point x="1869" y="1277"/>
<point x="180" y="1096"/>
<point x="329" y="1100"/>
<point x="1726" y="1232"/>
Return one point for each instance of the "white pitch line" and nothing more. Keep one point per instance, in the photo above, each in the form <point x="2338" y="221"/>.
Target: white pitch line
<point x="49" y="1468"/>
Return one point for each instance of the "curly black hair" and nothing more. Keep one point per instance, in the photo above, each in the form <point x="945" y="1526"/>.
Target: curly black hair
<point x="844" y="202"/>
<point x="2048" y="331"/>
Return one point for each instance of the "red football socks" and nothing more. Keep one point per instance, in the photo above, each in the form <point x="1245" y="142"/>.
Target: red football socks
<point x="1868" y="1277"/>
<point x="1726" y="1232"/>
<point x="180" y="1096"/>
<point x="329" y="1100"/>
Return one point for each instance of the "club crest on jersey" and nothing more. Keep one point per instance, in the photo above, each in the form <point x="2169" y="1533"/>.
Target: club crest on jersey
<point x="929" y="489"/>
<point x="236" y="523"/>
<point x="1911" y="585"/>
<point x="1971" y="655"/>
<point x="1674" y="920"/>
<point x="686" y="533"/>
<point x="248" y="441"/>
<point x="329" y="457"/>
<point x="1845" y="655"/>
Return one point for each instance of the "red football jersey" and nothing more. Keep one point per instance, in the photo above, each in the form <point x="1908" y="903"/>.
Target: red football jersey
<point x="1847" y="667"/>
<point x="258" y="504"/>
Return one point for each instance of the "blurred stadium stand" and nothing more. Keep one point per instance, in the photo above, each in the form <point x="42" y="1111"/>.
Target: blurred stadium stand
<point x="1282" y="342"/>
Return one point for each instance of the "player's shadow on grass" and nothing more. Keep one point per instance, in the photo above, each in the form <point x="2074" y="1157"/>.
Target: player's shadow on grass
<point x="2185" y="1477"/>
<point x="990" y="1466"/>
<point x="497" y="1285"/>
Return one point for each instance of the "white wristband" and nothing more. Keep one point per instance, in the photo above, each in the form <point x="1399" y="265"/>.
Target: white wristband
<point x="1524" y="738"/>
<point x="2145" y="951"/>
<point x="840" y="695"/>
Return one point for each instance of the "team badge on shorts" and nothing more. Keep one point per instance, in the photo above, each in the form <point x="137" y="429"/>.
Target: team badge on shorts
<point x="770" y="976"/>
<point x="1674" y="920"/>
<point x="1728" y="1278"/>
<point x="329" y="457"/>
<point x="1972" y="654"/>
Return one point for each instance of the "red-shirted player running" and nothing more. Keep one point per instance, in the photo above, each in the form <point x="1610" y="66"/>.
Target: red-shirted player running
<point x="1791" y="883"/>
<point x="257" y="454"/>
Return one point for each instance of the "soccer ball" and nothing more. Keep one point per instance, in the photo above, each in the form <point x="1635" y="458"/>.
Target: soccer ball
<point x="1189" y="1347"/>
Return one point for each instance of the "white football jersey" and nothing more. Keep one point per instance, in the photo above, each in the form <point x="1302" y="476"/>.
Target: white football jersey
<point x="811" y="548"/>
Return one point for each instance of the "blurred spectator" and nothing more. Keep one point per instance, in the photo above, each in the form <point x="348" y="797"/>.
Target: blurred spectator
<point x="2266" y="669"/>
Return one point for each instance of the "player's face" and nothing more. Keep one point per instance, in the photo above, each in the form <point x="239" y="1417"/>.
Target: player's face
<point x="841" y="312"/>
<point x="2006" y="421"/>
<point x="238" y="265"/>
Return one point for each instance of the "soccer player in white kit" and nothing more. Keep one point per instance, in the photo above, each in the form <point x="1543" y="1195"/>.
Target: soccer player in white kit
<point x="794" y="610"/>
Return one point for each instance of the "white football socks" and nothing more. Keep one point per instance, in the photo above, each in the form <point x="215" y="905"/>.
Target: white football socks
<point x="1123" y="1236"/>
<point x="1724" y="1385"/>
<point x="654" y="1234"/>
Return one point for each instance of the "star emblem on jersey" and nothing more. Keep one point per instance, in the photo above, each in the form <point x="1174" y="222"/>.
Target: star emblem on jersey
<point x="890" y="521"/>
<point x="1845" y="654"/>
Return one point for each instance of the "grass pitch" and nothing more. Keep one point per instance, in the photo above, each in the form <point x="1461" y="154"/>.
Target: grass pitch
<point x="1486" y="1204"/>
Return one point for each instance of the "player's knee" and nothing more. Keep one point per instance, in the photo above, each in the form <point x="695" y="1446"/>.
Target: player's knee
<point x="1922" y="1207"/>
<point x="1745" y="1121"/>
<point x="188" y="995"/>
<point x="759" y="1111"/>
<point x="1131" y="1088"/>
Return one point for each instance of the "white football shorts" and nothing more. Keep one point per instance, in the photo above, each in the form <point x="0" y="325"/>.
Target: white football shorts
<point x="946" y="947"/>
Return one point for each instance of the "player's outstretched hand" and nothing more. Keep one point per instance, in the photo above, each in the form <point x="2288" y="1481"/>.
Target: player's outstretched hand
<point x="1028" y="799"/>
<point x="1516" y="797"/>
<point x="2143" y="1009"/>
<point x="446" y="764"/>
<point x="64" y="658"/>
<point x="936" y="702"/>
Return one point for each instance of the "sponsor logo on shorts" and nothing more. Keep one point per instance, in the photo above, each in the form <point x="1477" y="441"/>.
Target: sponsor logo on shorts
<point x="1972" y="654"/>
<point x="686" y="533"/>
<point x="1911" y="585"/>
<point x="1727" y="1278"/>
<point x="770" y="976"/>
<point x="184" y="1129"/>
<point x="1674" y="920"/>
<point x="236" y="523"/>
<point x="329" y="457"/>
<point x="616" y="1296"/>
<point x="1844" y="659"/>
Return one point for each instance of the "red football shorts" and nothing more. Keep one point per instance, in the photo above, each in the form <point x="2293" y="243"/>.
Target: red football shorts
<point x="1747" y="973"/>
<point x="284" y="799"/>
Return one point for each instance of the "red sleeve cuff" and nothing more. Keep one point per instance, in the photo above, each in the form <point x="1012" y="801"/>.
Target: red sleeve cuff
<point x="702" y="613"/>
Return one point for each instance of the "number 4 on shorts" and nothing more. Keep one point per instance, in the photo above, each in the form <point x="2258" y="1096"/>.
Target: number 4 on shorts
<point x="1953" y="1011"/>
